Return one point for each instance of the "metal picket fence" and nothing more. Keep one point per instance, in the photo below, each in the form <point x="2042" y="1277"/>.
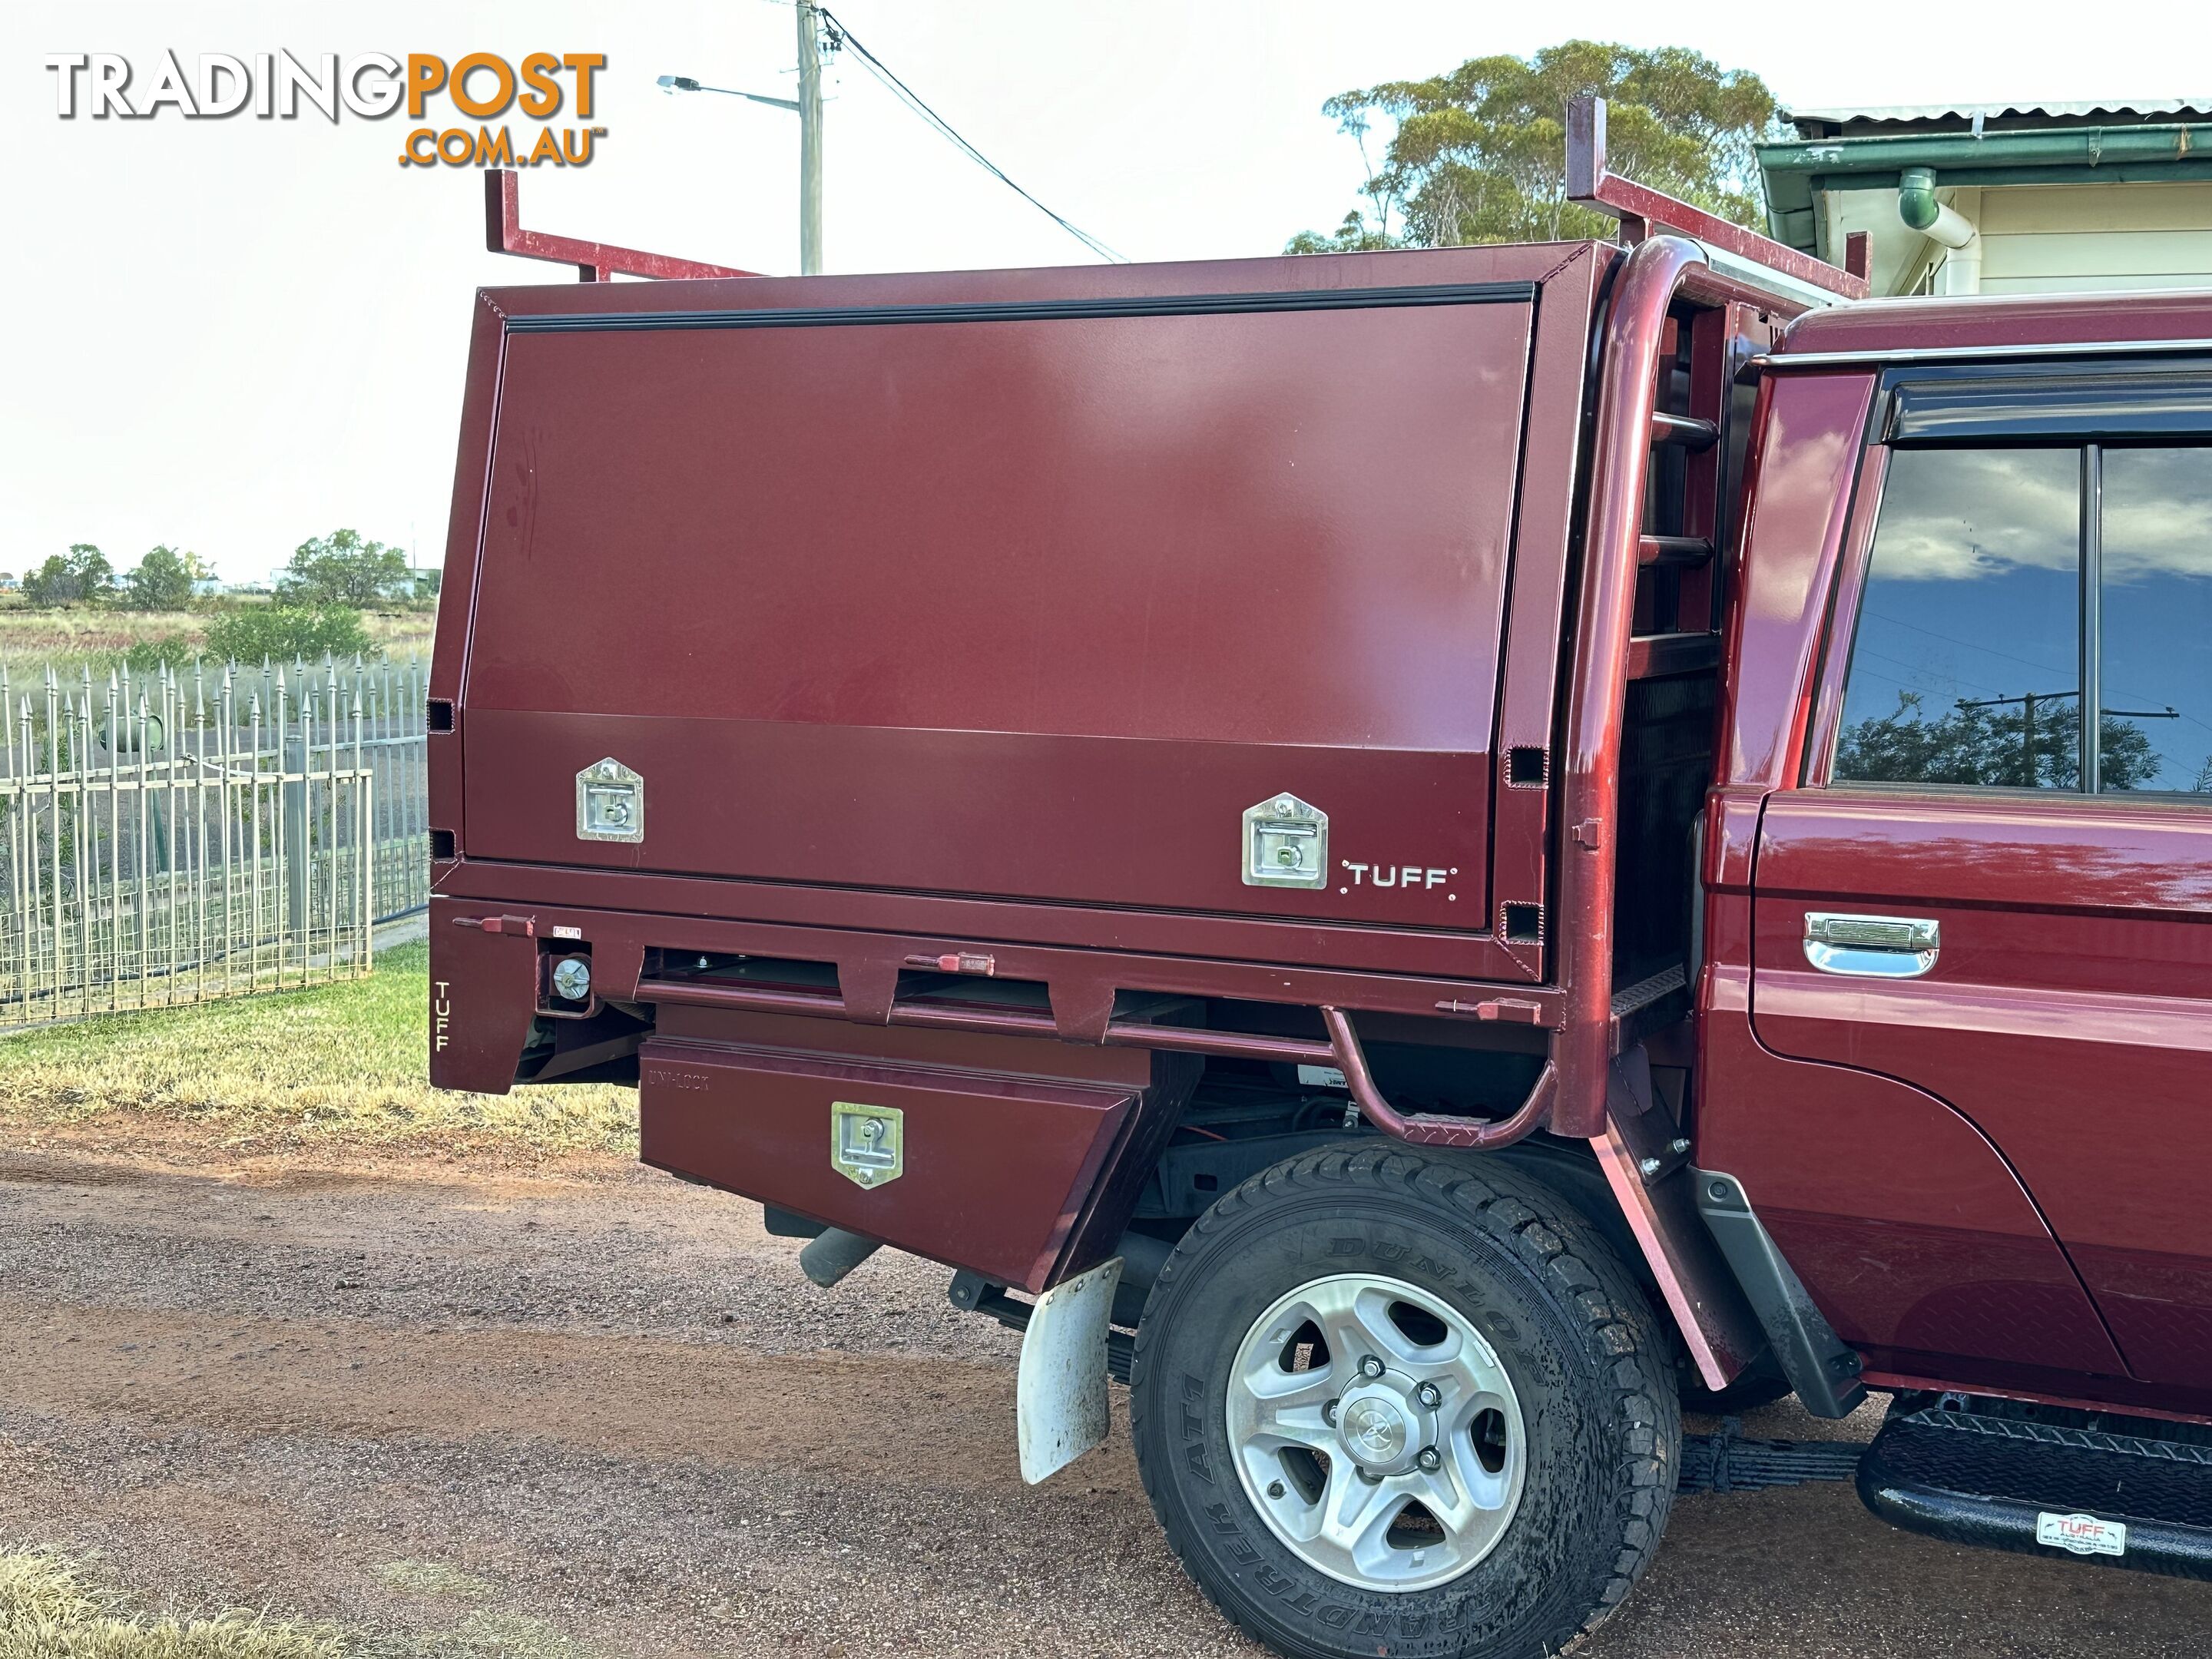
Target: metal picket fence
<point x="174" y="836"/>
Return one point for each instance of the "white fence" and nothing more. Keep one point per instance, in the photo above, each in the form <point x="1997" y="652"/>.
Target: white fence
<point x="179" y="835"/>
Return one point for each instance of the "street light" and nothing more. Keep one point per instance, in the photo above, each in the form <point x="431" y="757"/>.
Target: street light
<point x="675" y="83"/>
<point x="808" y="107"/>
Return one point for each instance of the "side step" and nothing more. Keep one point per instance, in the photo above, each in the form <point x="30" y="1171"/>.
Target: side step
<point x="2121" y="1491"/>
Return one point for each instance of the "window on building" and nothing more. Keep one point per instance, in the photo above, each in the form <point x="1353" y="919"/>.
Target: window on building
<point x="1988" y="590"/>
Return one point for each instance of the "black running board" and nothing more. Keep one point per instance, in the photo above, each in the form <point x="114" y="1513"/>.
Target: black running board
<point x="2115" y="1491"/>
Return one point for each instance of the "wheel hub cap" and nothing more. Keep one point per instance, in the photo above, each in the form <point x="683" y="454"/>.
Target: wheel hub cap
<point x="1377" y="1426"/>
<point x="1375" y="1433"/>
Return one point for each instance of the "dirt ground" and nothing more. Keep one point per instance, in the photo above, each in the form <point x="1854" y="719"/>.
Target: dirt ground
<point x="583" y="1409"/>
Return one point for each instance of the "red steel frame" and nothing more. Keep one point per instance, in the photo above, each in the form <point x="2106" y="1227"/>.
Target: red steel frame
<point x="1575" y="1012"/>
<point x="1587" y="1084"/>
<point x="1570" y="1096"/>
<point x="1583" y="1048"/>
<point x="1343" y="1049"/>
<point x="1643" y="211"/>
<point x="595" y="262"/>
<point x="1591" y="795"/>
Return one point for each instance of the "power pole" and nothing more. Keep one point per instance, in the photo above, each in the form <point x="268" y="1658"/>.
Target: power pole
<point x="810" y="142"/>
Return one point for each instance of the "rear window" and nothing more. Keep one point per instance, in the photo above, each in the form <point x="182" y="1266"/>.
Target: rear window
<point x="2037" y="618"/>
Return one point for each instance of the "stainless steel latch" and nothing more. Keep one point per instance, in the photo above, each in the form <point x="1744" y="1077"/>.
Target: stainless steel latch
<point x="1871" y="947"/>
<point x="1286" y="844"/>
<point x="609" y="802"/>
<point x="867" y="1144"/>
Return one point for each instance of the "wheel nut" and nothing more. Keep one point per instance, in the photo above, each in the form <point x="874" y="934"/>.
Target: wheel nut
<point x="1370" y="1477"/>
<point x="1370" y="1366"/>
<point x="1429" y="1396"/>
<point x="1328" y="1413"/>
<point x="1430" y="1459"/>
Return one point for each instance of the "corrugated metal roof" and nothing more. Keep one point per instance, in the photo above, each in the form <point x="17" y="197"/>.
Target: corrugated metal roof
<point x="2136" y="108"/>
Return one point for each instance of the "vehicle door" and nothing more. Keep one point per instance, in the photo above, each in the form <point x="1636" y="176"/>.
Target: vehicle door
<point x="1997" y="885"/>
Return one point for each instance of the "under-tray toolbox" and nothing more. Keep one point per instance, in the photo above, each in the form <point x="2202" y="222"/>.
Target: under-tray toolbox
<point x="981" y="1170"/>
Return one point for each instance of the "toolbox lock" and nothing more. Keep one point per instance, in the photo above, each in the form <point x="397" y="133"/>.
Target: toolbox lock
<point x="1286" y="844"/>
<point x="609" y="802"/>
<point x="867" y="1143"/>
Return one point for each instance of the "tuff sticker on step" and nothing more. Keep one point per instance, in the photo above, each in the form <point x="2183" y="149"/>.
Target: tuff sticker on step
<point x="2084" y="1535"/>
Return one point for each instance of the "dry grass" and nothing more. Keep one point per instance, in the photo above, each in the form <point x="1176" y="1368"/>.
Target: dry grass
<point x="70" y="640"/>
<point x="339" y="1063"/>
<point x="50" y="1610"/>
<point x="436" y="1579"/>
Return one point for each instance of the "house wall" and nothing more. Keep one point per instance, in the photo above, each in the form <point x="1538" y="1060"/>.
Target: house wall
<point x="1898" y="254"/>
<point x="2042" y="239"/>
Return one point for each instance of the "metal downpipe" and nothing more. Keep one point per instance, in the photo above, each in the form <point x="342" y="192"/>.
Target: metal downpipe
<point x="1960" y="271"/>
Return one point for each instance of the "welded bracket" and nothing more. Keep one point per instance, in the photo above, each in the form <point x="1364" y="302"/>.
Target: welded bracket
<point x="595" y="262"/>
<point x="1643" y="211"/>
<point x="1060" y="1410"/>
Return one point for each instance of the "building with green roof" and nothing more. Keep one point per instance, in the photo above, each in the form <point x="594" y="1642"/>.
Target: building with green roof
<point x="1963" y="198"/>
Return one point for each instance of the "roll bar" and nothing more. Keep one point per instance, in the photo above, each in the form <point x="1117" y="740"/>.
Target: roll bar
<point x="1598" y="699"/>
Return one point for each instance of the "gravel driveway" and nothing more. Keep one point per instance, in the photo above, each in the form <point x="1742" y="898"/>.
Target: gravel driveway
<point x="594" y="1411"/>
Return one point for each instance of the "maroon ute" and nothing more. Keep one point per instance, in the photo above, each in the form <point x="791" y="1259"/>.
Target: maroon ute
<point x="1425" y="856"/>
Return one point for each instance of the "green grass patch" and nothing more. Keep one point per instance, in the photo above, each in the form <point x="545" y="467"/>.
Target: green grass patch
<point x="50" y="1610"/>
<point x="345" y="1061"/>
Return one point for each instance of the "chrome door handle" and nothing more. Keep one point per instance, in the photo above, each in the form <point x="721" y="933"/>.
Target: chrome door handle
<point x="1871" y="947"/>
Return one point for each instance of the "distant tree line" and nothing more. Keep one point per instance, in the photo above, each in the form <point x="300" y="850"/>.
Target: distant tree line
<point x="316" y="610"/>
<point x="343" y="569"/>
<point x="2005" y="746"/>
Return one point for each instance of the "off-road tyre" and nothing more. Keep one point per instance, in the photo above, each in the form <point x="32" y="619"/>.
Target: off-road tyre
<point x="1586" y="1356"/>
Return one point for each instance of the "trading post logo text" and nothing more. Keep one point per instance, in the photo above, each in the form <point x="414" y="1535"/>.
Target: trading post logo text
<point x="482" y="87"/>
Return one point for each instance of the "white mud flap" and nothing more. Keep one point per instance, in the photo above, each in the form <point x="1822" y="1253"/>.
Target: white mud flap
<point x="1061" y="1402"/>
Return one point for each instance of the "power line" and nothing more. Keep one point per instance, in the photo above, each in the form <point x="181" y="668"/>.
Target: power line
<point x="1991" y="650"/>
<point x="1952" y="639"/>
<point x="840" y="35"/>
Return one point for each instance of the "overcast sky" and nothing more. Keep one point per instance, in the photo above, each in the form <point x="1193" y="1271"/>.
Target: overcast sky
<point x="231" y="336"/>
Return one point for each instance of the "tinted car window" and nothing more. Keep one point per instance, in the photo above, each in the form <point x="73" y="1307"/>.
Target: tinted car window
<point x="1965" y="664"/>
<point x="2155" y="676"/>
